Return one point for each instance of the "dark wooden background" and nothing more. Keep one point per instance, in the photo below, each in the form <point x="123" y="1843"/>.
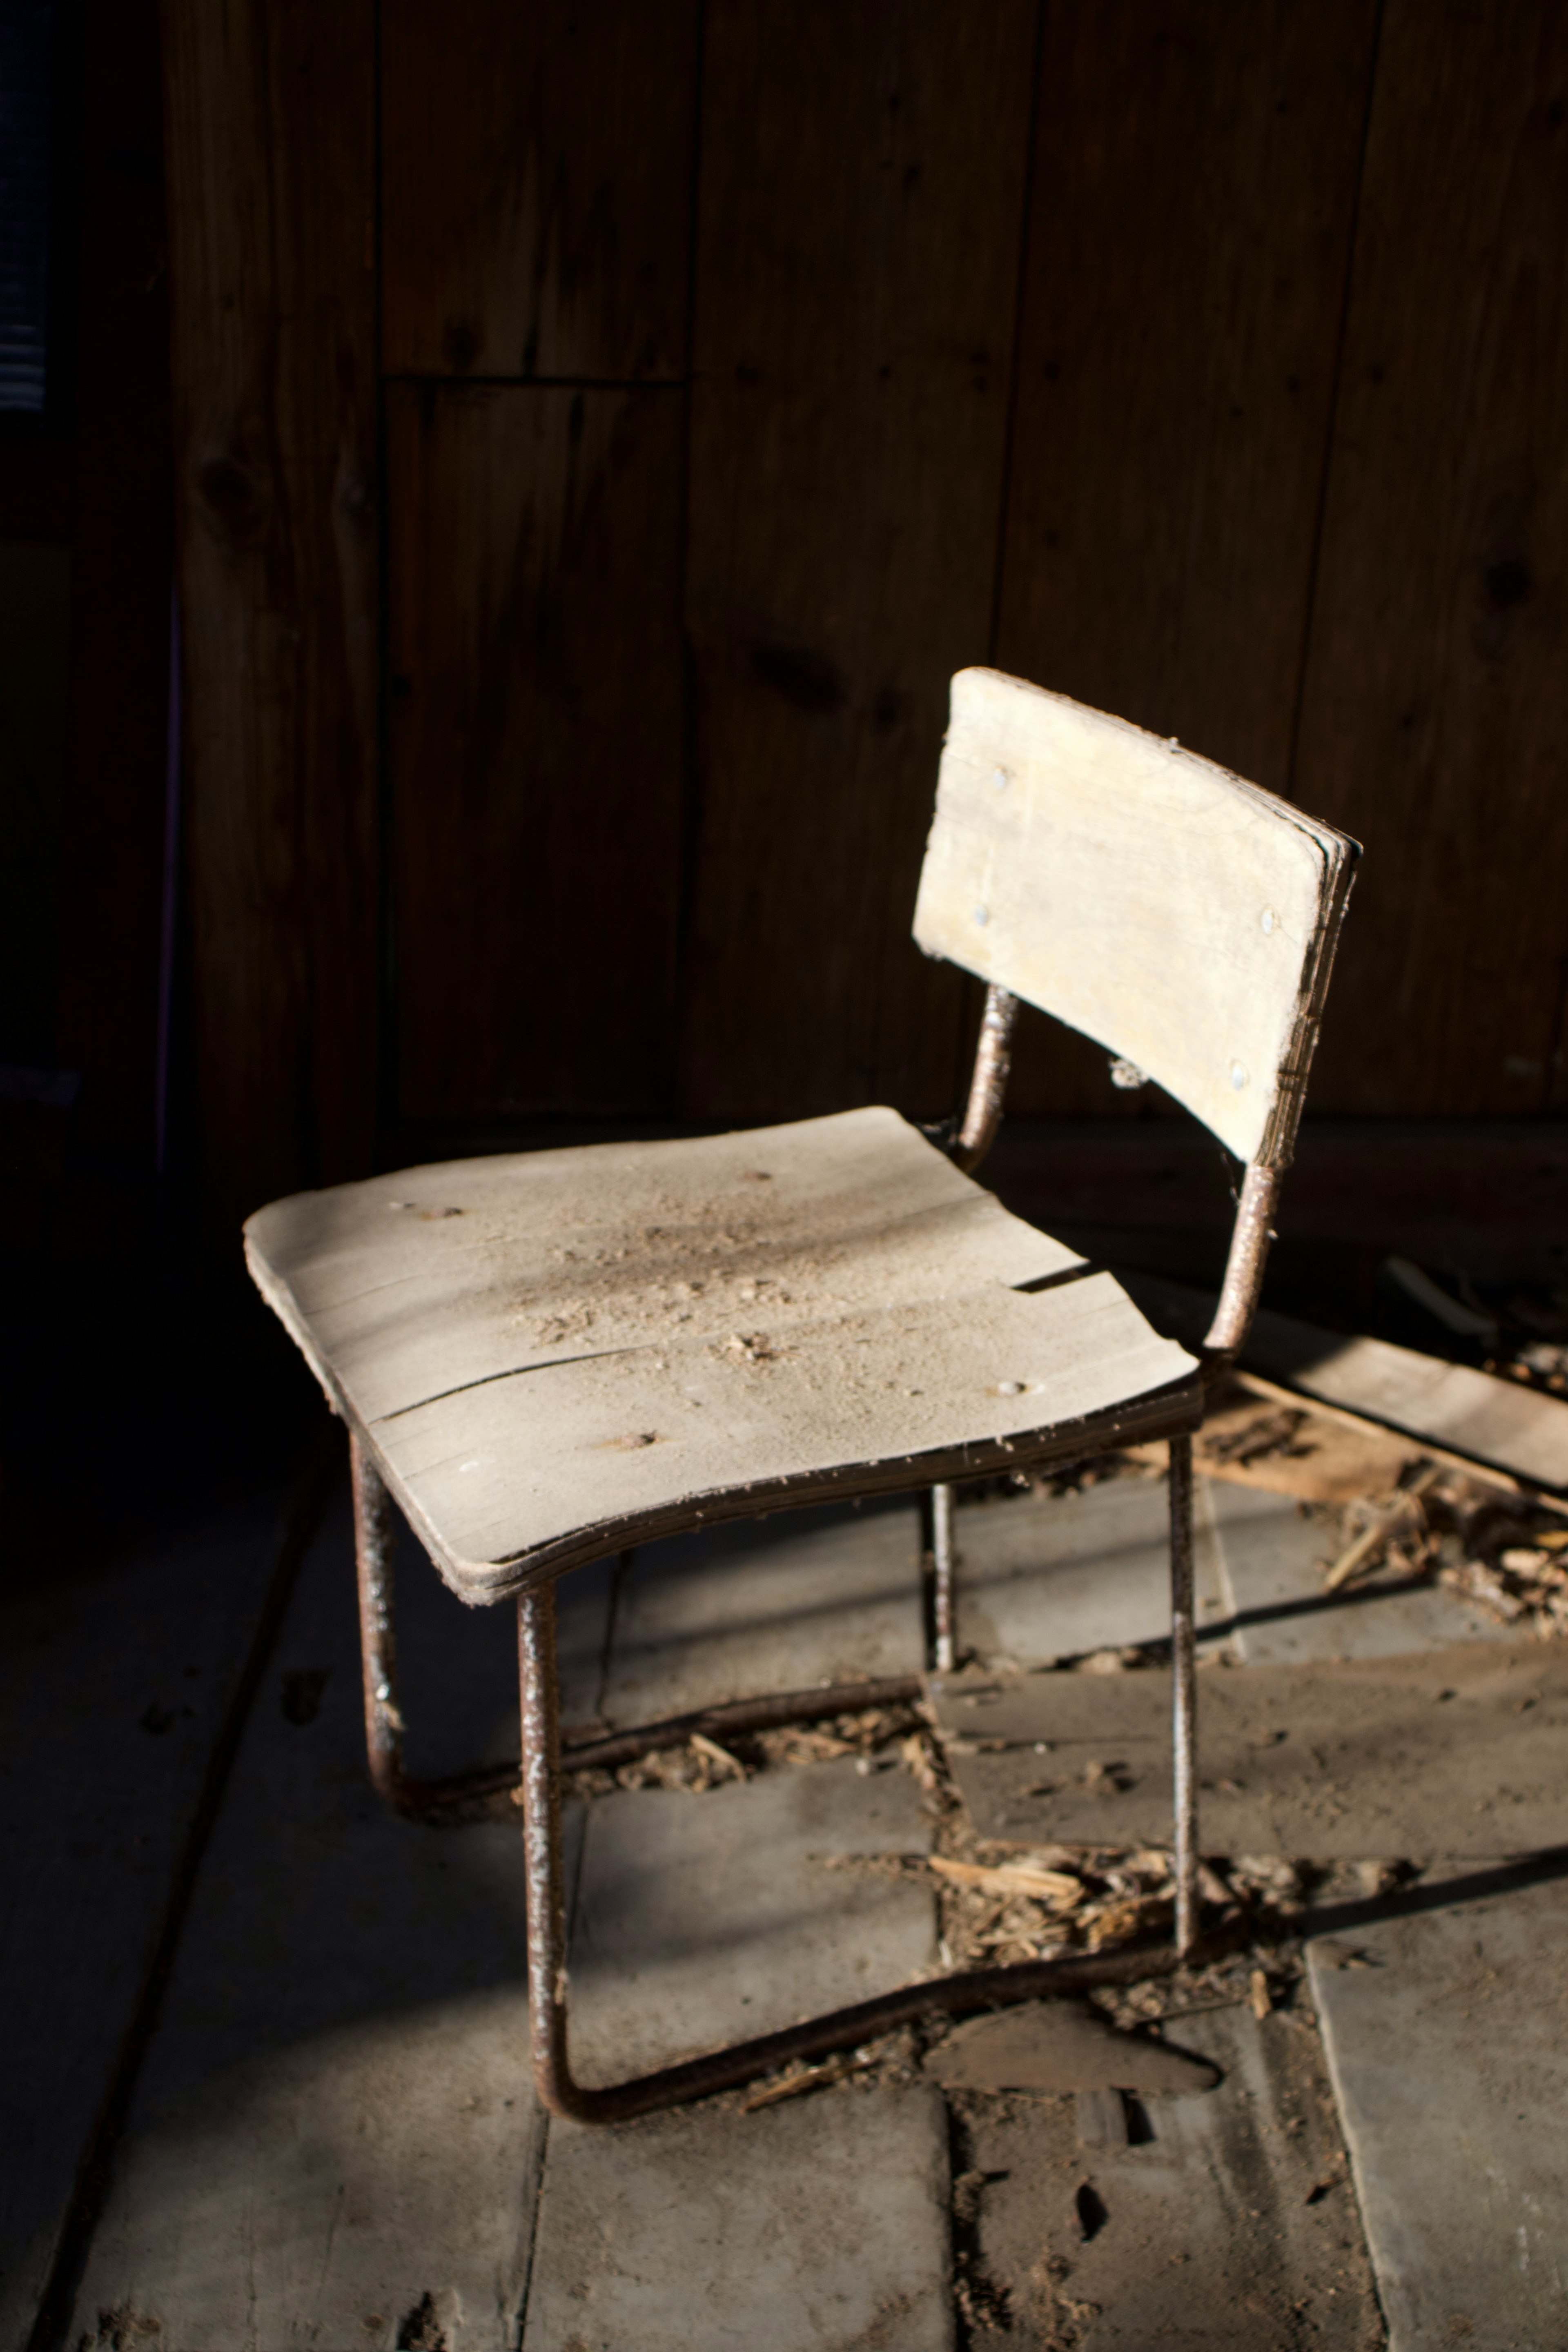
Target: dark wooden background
<point x="601" y="429"/>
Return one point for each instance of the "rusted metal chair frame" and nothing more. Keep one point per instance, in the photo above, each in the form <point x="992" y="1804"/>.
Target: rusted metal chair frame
<point x="1217" y="830"/>
<point x="543" y="1755"/>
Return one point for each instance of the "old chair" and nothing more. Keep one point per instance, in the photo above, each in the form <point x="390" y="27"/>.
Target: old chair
<point x="550" y="1357"/>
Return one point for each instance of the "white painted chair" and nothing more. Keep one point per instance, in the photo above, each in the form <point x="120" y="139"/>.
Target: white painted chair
<point x="547" y="1358"/>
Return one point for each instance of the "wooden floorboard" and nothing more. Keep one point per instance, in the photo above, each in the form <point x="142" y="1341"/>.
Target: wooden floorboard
<point x="334" y="2140"/>
<point x="115" y="1693"/>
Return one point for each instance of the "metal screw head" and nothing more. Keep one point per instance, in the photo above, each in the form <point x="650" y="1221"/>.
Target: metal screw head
<point x="1269" y="920"/>
<point x="982" y="916"/>
<point x="1238" y="1075"/>
<point x="1001" y="778"/>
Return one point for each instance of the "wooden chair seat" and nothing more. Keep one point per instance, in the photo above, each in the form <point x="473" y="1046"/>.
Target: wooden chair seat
<point x="557" y="1354"/>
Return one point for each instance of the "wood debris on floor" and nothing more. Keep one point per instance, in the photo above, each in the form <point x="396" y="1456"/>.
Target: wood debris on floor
<point x="700" y="1764"/>
<point x="1507" y="1551"/>
<point x="1528" y="1335"/>
<point x="1284" y="1447"/>
<point x="1171" y="2138"/>
<point x="1388" y="1504"/>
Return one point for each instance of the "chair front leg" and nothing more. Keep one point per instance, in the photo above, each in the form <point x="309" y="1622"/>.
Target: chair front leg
<point x="539" y="1692"/>
<point x="720" y="2070"/>
<point x="1184" y="1677"/>
<point x="456" y="1797"/>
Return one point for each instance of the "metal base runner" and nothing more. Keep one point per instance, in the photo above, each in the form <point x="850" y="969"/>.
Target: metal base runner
<point x="544" y="1759"/>
<point x="438" y="1801"/>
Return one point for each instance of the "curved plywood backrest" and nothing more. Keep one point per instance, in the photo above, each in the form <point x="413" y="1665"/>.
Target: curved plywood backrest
<point x="1182" y="919"/>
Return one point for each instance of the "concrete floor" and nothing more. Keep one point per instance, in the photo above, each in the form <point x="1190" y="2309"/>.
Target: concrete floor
<point x="271" y="2086"/>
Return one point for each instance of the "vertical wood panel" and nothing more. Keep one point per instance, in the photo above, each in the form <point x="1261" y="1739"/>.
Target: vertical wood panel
<point x="536" y="745"/>
<point x="111" y="881"/>
<point x="269" y="129"/>
<point x="1434" y="716"/>
<point x="537" y="166"/>
<point x="861" y="189"/>
<point x="1190" y="222"/>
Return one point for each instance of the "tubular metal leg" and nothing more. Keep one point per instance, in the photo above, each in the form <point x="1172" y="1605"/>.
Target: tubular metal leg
<point x="723" y="2070"/>
<point x="373" y="1537"/>
<point x="944" y="1600"/>
<point x="1184" y="1677"/>
<point x="438" y="1800"/>
<point x="539" y="1687"/>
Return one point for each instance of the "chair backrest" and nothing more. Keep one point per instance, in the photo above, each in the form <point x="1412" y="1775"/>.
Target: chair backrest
<point x="1184" y="919"/>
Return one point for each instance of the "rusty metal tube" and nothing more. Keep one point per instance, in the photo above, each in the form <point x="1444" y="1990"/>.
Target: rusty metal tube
<point x="440" y="1803"/>
<point x="1249" y="1239"/>
<point x="844" y="2029"/>
<point x="546" y="1889"/>
<point x="720" y="2070"/>
<point x="944" y="1600"/>
<point x="1184" y="1680"/>
<point x="988" y="1086"/>
<point x="374" y="1540"/>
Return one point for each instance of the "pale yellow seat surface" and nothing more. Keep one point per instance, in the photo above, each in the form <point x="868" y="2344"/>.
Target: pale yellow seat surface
<point x="556" y="1353"/>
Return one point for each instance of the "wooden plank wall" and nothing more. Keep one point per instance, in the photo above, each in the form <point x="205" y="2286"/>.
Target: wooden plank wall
<point x="1433" y="695"/>
<point x="856" y="283"/>
<point x="745" y="368"/>
<point x="271" y="131"/>
<point x="536" y="168"/>
<point x="1193" y="189"/>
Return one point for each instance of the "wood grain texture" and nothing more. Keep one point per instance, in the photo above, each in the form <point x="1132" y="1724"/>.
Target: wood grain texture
<point x="115" y="1691"/>
<point x="1182" y="919"/>
<point x="557" y="1354"/>
<point x="271" y="203"/>
<point x="537" y="187"/>
<point x="331" y="2126"/>
<point x="1190" y="223"/>
<point x="860" y="198"/>
<point x="1433" y="711"/>
<point x="524" y="1476"/>
<point x="1520" y="1430"/>
<point x="433" y="1279"/>
<point x="536" y="745"/>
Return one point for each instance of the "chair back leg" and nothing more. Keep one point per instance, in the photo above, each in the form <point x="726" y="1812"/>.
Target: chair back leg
<point x="944" y="1602"/>
<point x="1183" y="1679"/>
<point x="539" y="1687"/>
<point x="373" y="1537"/>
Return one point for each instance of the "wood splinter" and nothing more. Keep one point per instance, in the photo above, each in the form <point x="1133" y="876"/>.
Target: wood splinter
<point x="1404" y="1516"/>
